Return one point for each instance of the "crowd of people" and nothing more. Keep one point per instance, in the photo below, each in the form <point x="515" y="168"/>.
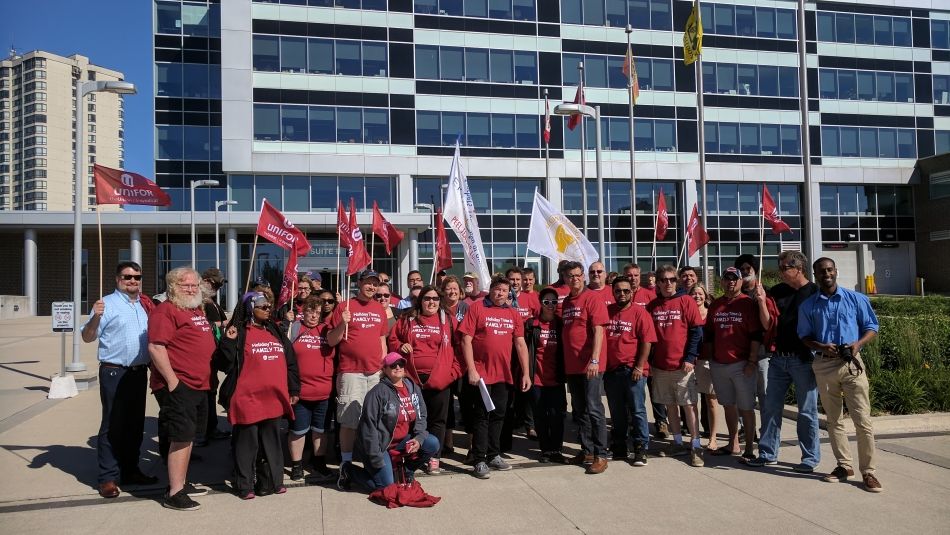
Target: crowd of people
<point x="393" y="380"/>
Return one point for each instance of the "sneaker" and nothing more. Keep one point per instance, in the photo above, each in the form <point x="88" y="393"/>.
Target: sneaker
<point x="180" y="502"/>
<point x="194" y="491"/>
<point x="598" y="466"/>
<point x="639" y="457"/>
<point x="677" y="450"/>
<point x="871" y="484"/>
<point x="803" y="468"/>
<point x="759" y="462"/>
<point x="433" y="467"/>
<point x="481" y="470"/>
<point x="247" y="495"/>
<point x="296" y="471"/>
<point x="696" y="457"/>
<point x="839" y="474"/>
<point x="499" y="464"/>
<point x="344" y="482"/>
<point x="281" y="490"/>
<point x="662" y="430"/>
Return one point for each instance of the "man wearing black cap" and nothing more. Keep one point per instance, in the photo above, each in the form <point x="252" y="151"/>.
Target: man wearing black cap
<point x="752" y="286"/>
<point x="358" y="327"/>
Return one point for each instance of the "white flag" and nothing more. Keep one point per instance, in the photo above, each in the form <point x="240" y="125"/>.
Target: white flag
<point x="554" y="236"/>
<point x="459" y="213"/>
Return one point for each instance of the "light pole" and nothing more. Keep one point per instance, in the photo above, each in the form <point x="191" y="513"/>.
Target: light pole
<point x="83" y="89"/>
<point x="197" y="184"/>
<point x="217" y="253"/>
<point x="431" y="208"/>
<point x="593" y="112"/>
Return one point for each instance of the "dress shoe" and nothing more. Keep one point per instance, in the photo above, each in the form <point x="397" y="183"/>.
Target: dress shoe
<point x="598" y="466"/>
<point x="108" y="489"/>
<point x="138" y="478"/>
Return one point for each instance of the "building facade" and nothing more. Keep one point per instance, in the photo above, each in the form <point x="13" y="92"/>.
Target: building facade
<point x="38" y="130"/>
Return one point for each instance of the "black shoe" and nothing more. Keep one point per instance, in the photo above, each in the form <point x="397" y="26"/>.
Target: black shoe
<point x="639" y="458"/>
<point x="193" y="491"/>
<point x="296" y="471"/>
<point x="558" y="458"/>
<point x="180" y="502"/>
<point x="344" y="482"/>
<point x="544" y="458"/>
<point x="138" y="478"/>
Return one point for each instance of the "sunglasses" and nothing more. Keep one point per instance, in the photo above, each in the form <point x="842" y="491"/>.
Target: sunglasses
<point x="330" y="302"/>
<point x="382" y="296"/>
<point x="131" y="277"/>
<point x="397" y="364"/>
<point x="668" y="280"/>
<point x="596" y="271"/>
<point x="549" y="302"/>
<point x="431" y="298"/>
<point x="264" y="307"/>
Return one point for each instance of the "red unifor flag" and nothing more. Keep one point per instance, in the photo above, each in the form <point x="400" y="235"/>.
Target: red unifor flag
<point x="696" y="233"/>
<point x="443" y="252"/>
<point x="289" y="284"/>
<point x="662" y="218"/>
<point x="578" y="99"/>
<point x="343" y="226"/>
<point x="547" y="121"/>
<point x="277" y="229"/>
<point x="115" y="186"/>
<point x="390" y="235"/>
<point x="770" y="213"/>
<point x="358" y="257"/>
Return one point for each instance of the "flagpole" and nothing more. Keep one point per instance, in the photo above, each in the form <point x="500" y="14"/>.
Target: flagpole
<point x="700" y="135"/>
<point x="580" y="68"/>
<point x="250" y="267"/>
<point x="633" y="150"/>
<point x="547" y="156"/>
<point x="653" y="250"/>
<point x="346" y="325"/>
<point x="99" y="225"/>
<point x="682" y="253"/>
<point x="758" y="270"/>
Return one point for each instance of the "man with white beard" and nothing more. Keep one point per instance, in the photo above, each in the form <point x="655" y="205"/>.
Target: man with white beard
<point x="180" y="343"/>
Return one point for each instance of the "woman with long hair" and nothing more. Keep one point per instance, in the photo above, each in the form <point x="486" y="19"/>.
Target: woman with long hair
<point x="703" y="375"/>
<point x="423" y="336"/>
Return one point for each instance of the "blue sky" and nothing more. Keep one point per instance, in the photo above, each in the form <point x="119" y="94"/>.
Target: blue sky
<point x="116" y="34"/>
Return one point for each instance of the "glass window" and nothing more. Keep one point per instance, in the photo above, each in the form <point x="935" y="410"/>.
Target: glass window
<point x="749" y="138"/>
<point x="866" y="85"/>
<point x="844" y="28"/>
<point x="864" y="29"/>
<point x="528" y="131"/>
<point x="168" y="79"/>
<point x="827" y="83"/>
<point x="941" y="86"/>
<point x="428" y="130"/>
<point x="526" y="67"/>
<point x="571" y="12"/>
<point x="906" y="143"/>
<point x="709" y="78"/>
<point x="499" y="9"/>
<point x="638" y="12"/>
<point x="476" y="65"/>
<point x="293" y="120"/>
<point x="768" y="80"/>
<point x="848" y="200"/>
<point x="296" y="193"/>
<point x="380" y="189"/>
<point x="826" y="26"/>
<point x="242" y="191"/>
<point x="903" y="87"/>
<point x="885" y="86"/>
<point x="847" y="85"/>
<point x="215" y="133"/>
<point x="788" y="81"/>
<point x="725" y="15"/>
<point x="476" y="8"/>
<point x="942" y="141"/>
<point x="643" y="135"/>
<point x="323" y="194"/>
<point x="452" y="63"/>
<point x="711" y="137"/>
<point x="770" y="139"/>
<point x="169" y="140"/>
<point x="849" y="142"/>
<point x="374" y="59"/>
<point x="619" y="130"/>
<point x="195" y="78"/>
<point x="595" y="71"/>
<point x="453" y="126"/>
<point x="523" y="10"/>
<point x="765" y="21"/>
<point x="745" y="21"/>
<point x="502" y="66"/>
<point x="729" y="138"/>
<point x="450" y="7"/>
<point x="594" y="12"/>
<point x="661" y="15"/>
<point x="349" y="125"/>
<point x="375" y="126"/>
<point x="748" y="80"/>
<point x="726" y="78"/>
<point x="266" y="122"/>
<point x="502" y="130"/>
<point x="662" y="74"/>
<point x="427" y="62"/>
<point x="728" y="198"/>
<point x="785" y="24"/>
<point x="266" y="53"/>
<point x="168" y="17"/>
<point x="940" y="34"/>
<point x="351" y="187"/>
<point x="615" y="77"/>
<point x="348" y="58"/>
<point x="617" y="13"/>
<point x="868" y="143"/>
<point x="322" y="124"/>
<point x="197" y="143"/>
<point x="887" y="141"/>
<point x="478" y="129"/>
<point x="195" y="19"/>
<point x="883" y="34"/>
<point x="749" y="198"/>
<point x="791" y="140"/>
<point x="293" y="54"/>
<point x="569" y="68"/>
<point x="902" y="32"/>
<point x="320" y="56"/>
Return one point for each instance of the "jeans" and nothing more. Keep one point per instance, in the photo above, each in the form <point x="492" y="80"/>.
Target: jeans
<point x="549" y="404"/>
<point x="373" y="479"/>
<point x="624" y="394"/>
<point x="784" y="370"/>
<point x="122" y="393"/>
<point x="587" y="409"/>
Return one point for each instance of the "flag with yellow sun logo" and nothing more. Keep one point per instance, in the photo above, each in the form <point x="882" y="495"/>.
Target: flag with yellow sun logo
<point x="554" y="236"/>
<point x="693" y="36"/>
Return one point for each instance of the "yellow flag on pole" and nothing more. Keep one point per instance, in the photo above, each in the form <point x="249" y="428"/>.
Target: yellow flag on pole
<point x="693" y="36"/>
<point x="630" y="71"/>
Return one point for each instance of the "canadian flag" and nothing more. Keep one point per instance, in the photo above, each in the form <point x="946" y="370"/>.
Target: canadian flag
<point x="662" y="218"/>
<point x="547" y="121"/>
<point x="578" y="99"/>
<point x="770" y="213"/>
<point x="695" y="232"/>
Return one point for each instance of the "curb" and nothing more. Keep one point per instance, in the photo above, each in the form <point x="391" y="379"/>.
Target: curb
<point x="891" y="424"/>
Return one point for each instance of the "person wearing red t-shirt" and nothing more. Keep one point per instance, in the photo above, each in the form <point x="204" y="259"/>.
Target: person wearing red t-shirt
<point x="180" y="343"/>
<point x="423" y="336"/>
<point x="597" y="274"/>
<point x="679" y="334"/>
<point x="489" y="331"/>
<point x="315" y="361"/>
<point x="548" y="399"/>
<point x="519" y="413"/>
<point x="560" y="285"/>
<point x="528" y="280"/>
<point x="472" y="288"/>
<point x="261" y="387"/>
<point x="585" y="360"/>
<point x="642" y="297"/>
<point x="731" y="338"/>
<point x="630" y="336"/>
<point x="358" y="328"/>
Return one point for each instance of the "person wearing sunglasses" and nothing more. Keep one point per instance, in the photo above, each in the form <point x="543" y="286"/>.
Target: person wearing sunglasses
<point x="262" y="385"/>
<point x="120" y="322"/>
<point x="423" y="336"/>
<point x="393" y="423"/>
<point x="597" y="274"/>
<point x="547" y="395"/>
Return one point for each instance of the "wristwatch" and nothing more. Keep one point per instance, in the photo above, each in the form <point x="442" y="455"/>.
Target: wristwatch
<point x="595" y="361"/>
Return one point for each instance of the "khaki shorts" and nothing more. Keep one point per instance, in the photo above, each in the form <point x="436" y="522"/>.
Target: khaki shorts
<point x="676" y="387"/>
<point x="704" y="382"/>
<point x="351" y="389"/>
<point x="733" y="387"/>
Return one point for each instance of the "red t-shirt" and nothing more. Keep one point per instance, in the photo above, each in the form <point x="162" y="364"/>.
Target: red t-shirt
<point x="405" y="416"/>
<point x="360" y="351"/>
<point x="314" y="362"/>
<point x="581" y="314"/>
<point x="672" y="318"/>
<point x="426" y="335"/>
<point x="545" y="366"/>
<point x="730" y="326"/>
<point x="529" y="306"/>
<point x="471" y="300"/>
<point x="186" y="335"/>
<point x="643" y="296"/>
<point x="493" y="330"/>
<point x="261" y="392"/>
<point x="562" y="292"/>
<point x="626" y="330"/>
<point x="606" y="293"/>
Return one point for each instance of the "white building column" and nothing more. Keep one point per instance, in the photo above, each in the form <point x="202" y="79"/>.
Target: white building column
<point x="413" y="249"/>
<point x="233" y="273"/>
<point x="29" y="268"/>
<point x="135" y="246"/>
<point x="690" y="197"/>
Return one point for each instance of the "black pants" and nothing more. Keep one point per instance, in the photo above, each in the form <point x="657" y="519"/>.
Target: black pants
<point x="438" y="404"/>
<point x="549" y="404"/>
<point x="246" y="441"/>
<point x="122" y="393"/>
<point x="212" y="424"/>
<point x="587" y="407"/>
<point x="486" y="426"/>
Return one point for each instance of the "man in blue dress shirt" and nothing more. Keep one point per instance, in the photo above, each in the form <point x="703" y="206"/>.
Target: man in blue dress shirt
<point x="120" y="322"/>
<point x="836" y="323"/>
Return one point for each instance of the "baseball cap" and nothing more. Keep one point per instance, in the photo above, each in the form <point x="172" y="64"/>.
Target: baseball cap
<point x="214" y="275"/>
<point x="393" y="358"/>
<point x="368" y="274"/>
<point x="731" y="272"/>
<point x="315" y="276"/>
<point x="470" y="275"/>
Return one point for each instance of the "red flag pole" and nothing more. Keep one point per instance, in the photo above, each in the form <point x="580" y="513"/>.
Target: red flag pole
<point x="758" y="272"/>
<point x="346" y="326"/>
<point x="683" y="253"/>
<point x="99" y="225"/>
<point x="653" y="198"/>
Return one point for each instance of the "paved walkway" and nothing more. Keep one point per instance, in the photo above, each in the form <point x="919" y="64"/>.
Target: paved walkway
<point x="48" y="467"/>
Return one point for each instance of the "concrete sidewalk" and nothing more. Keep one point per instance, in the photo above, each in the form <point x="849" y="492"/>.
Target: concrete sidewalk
<point x="48" y="462"/>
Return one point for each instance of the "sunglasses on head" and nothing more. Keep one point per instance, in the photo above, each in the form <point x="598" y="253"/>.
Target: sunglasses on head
<point x="549" y="302"/>
<point x="131" y="277"/>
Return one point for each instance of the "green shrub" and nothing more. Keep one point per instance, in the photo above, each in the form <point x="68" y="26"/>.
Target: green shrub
<point x="898" y="392"/>
<point x="932" y="305"/>
<point x="936" y="383"/>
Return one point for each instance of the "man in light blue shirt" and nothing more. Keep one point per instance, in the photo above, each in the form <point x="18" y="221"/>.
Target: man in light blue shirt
<point x="120" y="322"/>
<point x="836" y="323"/>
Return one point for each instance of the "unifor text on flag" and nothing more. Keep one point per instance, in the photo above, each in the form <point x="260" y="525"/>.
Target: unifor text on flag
<point x="115" y="186"/>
